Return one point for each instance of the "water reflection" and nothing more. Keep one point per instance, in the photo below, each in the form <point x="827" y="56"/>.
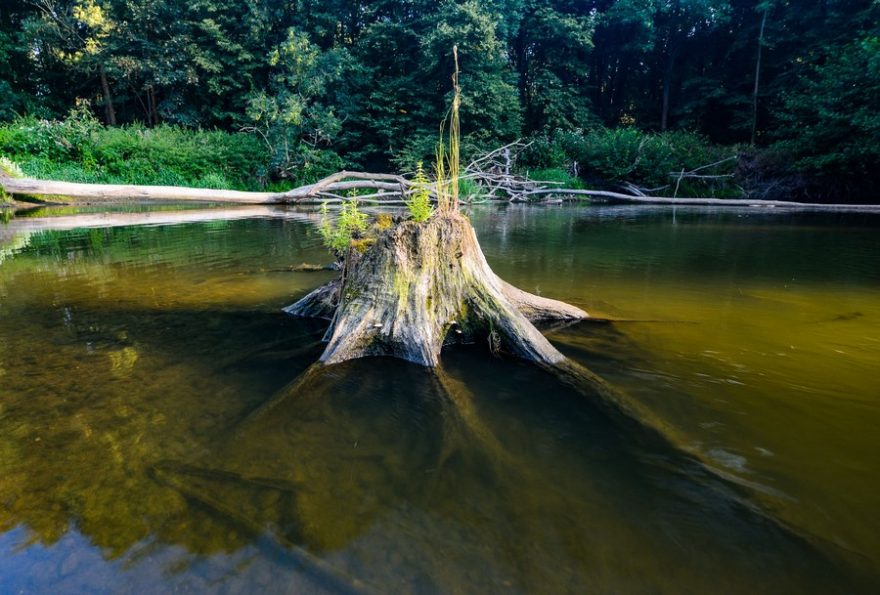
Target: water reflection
<point x="137" y="444"/>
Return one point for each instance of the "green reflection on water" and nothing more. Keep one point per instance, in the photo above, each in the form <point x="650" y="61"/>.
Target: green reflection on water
<point x="134" y="361"/>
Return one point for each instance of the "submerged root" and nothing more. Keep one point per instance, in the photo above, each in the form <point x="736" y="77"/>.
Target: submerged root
<point x="320" y="303"/>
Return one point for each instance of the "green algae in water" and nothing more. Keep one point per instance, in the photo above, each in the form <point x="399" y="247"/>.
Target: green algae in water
<point x="136" y="357"/>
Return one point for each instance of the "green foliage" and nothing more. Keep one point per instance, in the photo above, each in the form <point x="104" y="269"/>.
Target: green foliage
<point x="80" y="149"/>
<point x="558" y="176"/>
<point x="419" y="203"/>
<point x="468" y="189"/>
<point x="616" y="156"/>
<point x="10" y="168"/>
<point x="554" y="44"/>
<point x="349" y="225"/>
<point x="831" y="119"/>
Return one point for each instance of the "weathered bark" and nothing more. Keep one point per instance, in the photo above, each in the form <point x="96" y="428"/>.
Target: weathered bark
<point x="422" y="283"/>
<point x="322" y="302"/>
<point x="391" y="190"/>
<point x="49" y="188"/>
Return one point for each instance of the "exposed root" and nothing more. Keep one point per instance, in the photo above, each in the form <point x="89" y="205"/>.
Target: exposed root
<point x="537" y="309"/>
<point x="320" y="303"/>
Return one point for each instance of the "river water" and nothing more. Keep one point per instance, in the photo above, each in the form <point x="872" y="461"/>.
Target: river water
<point x="135" y="456"/>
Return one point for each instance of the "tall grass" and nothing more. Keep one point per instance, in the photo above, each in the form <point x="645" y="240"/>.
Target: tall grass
<point x="447" y="160"/>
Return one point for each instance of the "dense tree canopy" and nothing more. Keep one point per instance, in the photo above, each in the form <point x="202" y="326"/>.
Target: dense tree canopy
<point x="367" y="81"/>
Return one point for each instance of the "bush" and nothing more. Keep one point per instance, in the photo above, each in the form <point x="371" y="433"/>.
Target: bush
<point x="556" y="175"/>
<point x="419" y="204"/>
<point x="349" y="226"/>
<point x="79" y="149"/>
<point x="615" y="156"/>
<point x="310" y="165"/>
<point x="829" y="122"/>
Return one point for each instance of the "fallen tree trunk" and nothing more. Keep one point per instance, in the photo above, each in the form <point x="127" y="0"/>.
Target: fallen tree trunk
<point x="619" y="197"/>
<point x="48" y="188"/>
<point x="392" y="189"/>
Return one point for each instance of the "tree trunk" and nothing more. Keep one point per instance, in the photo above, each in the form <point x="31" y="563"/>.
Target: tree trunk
<point x="758" y="77"/>
<point x="667" y="84"/>
<point x="154" y="112"/>
<point x="109" y="112"/>
<point x="425" y="284"/>
<point x="323" y="192"/>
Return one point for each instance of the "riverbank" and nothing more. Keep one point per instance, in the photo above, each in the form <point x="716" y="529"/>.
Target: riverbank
<point x="78" y="159"/>
<point x="80" y="149"/>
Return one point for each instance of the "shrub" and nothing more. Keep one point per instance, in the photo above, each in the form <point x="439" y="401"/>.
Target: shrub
<point x="468" y="189"/>
<point x="556" y="175"/>
<point x="419" y="203"/>
<point x="614" y="156"/>
<point x="79" y="149"/>
<point x="310" y="165"/>
<point x="349" y="226"/>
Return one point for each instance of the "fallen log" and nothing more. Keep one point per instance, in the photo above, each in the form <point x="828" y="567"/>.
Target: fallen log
<point x="48" y="188"/>
<point x="312" y="193"/>
<point x="621" y="198"/>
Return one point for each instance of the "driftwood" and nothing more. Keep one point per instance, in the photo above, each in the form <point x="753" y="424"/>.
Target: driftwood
<point x="322" y="191"/>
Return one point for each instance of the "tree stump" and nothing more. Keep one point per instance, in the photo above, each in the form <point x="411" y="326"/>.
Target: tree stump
<point x="421" y="285"/>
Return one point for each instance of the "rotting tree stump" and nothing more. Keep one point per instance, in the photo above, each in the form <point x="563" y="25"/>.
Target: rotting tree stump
<point x="420" y="285"/>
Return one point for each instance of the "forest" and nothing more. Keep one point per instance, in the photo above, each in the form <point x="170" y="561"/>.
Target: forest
<point x="610" y="91"/>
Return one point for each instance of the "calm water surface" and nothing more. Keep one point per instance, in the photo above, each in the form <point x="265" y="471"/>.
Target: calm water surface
<point x="135" y="457"/>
